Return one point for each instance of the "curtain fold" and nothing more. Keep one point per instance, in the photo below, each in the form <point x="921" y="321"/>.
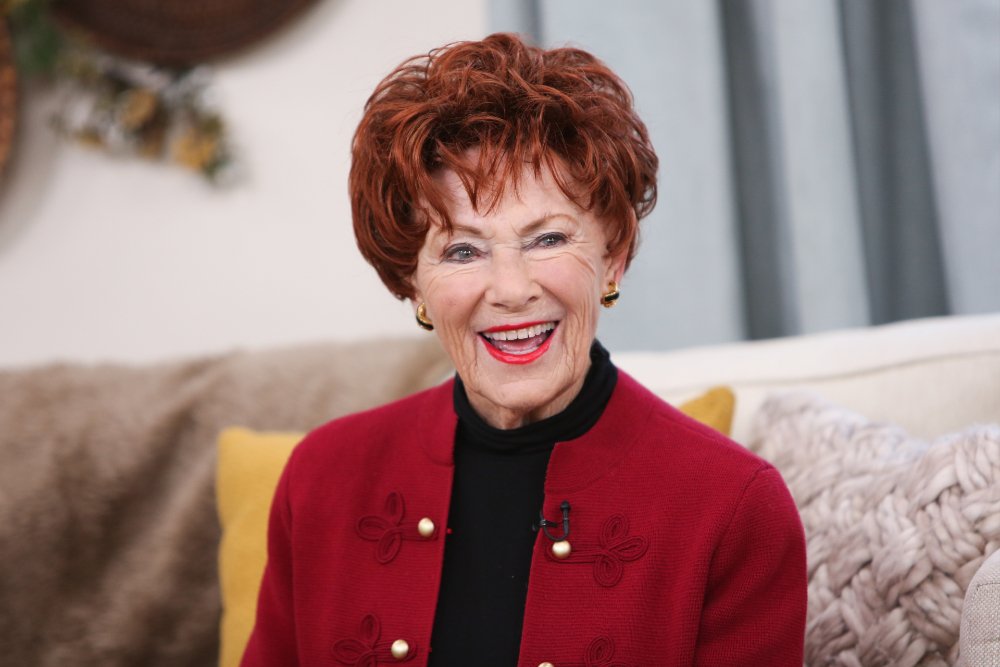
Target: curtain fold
<point x="824" y="164"/>
<point x="768" y="271"/>
<point x="895" y="187"/>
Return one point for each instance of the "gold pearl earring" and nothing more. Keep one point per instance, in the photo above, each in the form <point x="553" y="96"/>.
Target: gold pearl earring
<point x="610" y="298"/>
<point x="422" y="320"/>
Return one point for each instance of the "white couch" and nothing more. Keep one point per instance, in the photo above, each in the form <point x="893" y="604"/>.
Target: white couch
<point x="107" y="502"/>
<point x="930" y="376"/>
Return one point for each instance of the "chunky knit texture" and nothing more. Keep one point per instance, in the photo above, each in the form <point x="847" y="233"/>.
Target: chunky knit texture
<point x="896" y="528"/>
<point x="686" y="548"/>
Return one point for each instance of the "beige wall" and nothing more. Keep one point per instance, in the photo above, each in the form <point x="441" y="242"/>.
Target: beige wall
<point x="112" y="259"/>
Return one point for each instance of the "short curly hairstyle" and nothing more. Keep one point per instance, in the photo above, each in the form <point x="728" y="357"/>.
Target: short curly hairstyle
<point x="558" y="109"/>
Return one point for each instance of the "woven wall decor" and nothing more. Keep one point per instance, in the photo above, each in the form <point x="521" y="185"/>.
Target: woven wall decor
<point x="178" y="32"/>
<point x="8" y="94"/>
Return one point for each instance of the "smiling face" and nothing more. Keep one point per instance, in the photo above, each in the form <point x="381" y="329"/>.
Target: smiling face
<point x="514" y="294"/>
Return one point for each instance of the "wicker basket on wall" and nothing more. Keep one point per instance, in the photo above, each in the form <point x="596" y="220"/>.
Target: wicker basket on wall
<point x="178" y="32"/>
<point x="8" y="94"/>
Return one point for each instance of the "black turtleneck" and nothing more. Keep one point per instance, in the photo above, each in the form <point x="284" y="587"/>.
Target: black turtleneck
<point x="497" y="492"/>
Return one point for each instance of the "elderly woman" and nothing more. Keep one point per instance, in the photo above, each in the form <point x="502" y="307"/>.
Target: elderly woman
<point x="541" y="508"/>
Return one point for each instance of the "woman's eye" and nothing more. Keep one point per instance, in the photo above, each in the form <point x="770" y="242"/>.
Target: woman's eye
<point x="550" y="240"/>
<point x="460" y="253"/>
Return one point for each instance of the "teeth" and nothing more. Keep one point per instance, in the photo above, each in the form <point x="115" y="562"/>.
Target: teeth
<point x="521" y="334"/>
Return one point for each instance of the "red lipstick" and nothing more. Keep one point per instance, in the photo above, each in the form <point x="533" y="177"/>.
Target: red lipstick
<point x="518" y="359"/>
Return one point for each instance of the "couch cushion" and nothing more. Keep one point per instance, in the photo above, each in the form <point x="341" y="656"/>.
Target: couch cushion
<point x="930" y="376"/>
<point x="896" y="527"/>
<point x="248" y="469"/>
<point x="980" y="640"/>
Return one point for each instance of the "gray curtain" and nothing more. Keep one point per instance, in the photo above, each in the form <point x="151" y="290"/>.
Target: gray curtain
<point x="825" y="164"/>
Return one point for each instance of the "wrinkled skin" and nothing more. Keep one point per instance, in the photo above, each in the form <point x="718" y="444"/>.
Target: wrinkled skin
<point x="535" y="257"/>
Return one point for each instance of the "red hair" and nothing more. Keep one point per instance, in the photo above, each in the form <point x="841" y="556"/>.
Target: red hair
<point x="558" y="109"/>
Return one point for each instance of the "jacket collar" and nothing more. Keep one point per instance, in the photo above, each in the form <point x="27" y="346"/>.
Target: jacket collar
<point x="578" y="463"/>
<point x="575" y="464"/>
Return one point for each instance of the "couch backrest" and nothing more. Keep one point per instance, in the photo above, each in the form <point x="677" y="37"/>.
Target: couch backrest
<point x="929" y="376"/>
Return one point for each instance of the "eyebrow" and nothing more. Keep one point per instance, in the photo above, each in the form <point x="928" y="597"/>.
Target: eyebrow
<point x="529" y="228"/>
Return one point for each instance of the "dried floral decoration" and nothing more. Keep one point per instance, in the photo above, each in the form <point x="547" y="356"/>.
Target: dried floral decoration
<point x="119" y="105"/>
<point x="128" y="107"/>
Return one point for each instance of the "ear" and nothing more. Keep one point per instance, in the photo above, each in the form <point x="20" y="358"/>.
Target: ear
<point x="417" y="297"/>
<point x="614" y="266"/>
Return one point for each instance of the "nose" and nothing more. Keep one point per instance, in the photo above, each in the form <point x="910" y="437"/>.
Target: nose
<point x="512" y="285"/>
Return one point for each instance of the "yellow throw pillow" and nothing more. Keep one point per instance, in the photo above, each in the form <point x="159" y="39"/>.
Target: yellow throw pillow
<point x="713" y="408"/>
<point x="250" y="464"/>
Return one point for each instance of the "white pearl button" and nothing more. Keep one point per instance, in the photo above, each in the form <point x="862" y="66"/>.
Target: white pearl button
<point x="425" y="527"/>
<point x="400" y="649"/>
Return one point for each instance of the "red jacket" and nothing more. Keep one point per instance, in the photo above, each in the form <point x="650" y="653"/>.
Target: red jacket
<point x="686" y="549"/>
